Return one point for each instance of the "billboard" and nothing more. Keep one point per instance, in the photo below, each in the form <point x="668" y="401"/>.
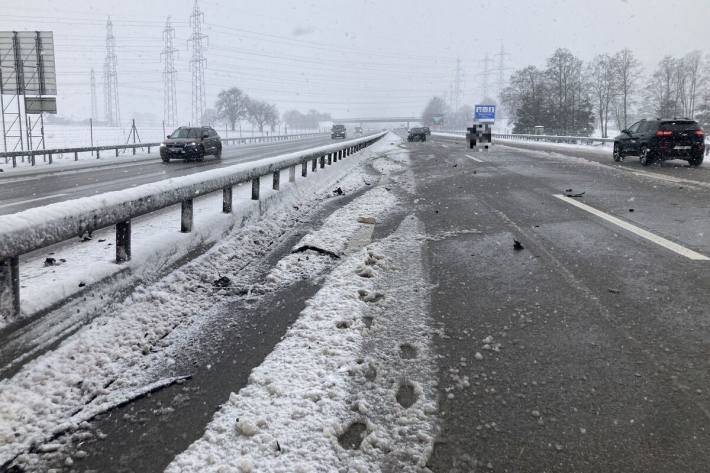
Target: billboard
<point x="27" y="63"/>
<point x="484" y="113"/>
<point x="37" y="105"/>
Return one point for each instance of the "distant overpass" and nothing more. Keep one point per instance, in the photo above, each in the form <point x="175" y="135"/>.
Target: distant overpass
<point x="406" y="120"/>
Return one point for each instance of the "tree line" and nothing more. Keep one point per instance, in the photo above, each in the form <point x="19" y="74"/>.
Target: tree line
<point x="570" y="97"/>
<point x="234" y="106"/>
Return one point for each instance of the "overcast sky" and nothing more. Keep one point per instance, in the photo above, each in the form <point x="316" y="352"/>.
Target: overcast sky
<point x="349" y="58"/>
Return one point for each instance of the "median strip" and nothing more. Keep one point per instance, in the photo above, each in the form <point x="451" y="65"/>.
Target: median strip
<point x="675" y="247"/>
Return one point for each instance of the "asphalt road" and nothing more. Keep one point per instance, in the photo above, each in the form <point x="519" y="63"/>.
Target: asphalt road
<point x="24" y="192"/>
<point x="604" y="335"/>
<point x="584" y="350"/>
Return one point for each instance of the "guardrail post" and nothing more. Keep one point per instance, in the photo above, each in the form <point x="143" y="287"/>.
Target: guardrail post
<point x="255" y="185"/>
<point x="227" y="199"/>
<point x="14" y="161"/>
<point x="148" y="149"/>
<point x="322" y="161"/>
<point x="277" y="180"/>
<point x="32" y="158"/>
<point x="117" y="152"/>
<point x="315" y="165"/>
<point x="304" y="168"/>
<point x="50" y="158"/>
<point x="123" y="241"/>
<point x="97" y="154"/>
<point x="76" y="156"/>
<point x="292" y="174"/>
<point x="330" y="158"/>
<point x="186" y="216"/>
<point x="134" y="151"/>
<point x="10" y="286"/>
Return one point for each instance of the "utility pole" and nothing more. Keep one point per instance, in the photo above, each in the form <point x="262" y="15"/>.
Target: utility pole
<point x="169" y="76"/>
<point x="198" y="40"/>
<point x="112" y="110"/>
<point x="501" y="69"/>
<point x="94" y="105"/>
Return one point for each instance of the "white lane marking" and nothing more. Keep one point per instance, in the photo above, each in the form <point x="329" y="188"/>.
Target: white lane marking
<point x="475" y="159"/>
<point x="675" y="247"/>
<point x="443" y="145"/>
<point x="20" y="202"/>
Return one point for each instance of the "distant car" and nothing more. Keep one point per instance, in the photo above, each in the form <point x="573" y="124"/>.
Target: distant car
<point x="338" y="131"/>
<point x="358" y="130"/>
<point x="426" y="130"/>
<point x="416" y="134"/>
<point x="662" y="139"/>
<point x="191" y="143"/>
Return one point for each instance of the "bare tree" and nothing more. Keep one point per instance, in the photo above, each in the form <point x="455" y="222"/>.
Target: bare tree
<point x="231" y="106"/>
<point x="662" y="89"/>
<point x="258" y="113"/>
<point x="628" y="72"/>
<point x="272" y="117"/>
<point x="695" y="78"/>
<point x="601" y="76"/>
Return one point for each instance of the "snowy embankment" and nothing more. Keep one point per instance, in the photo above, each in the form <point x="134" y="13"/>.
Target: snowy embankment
<point x="115" y="355"/>
<point x="349" y="388"/>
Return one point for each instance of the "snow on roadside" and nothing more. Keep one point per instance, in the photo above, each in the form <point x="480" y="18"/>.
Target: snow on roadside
<point x="307" y="405"/>
<point x="110" y="354"/>
<point x="562" y="148"/>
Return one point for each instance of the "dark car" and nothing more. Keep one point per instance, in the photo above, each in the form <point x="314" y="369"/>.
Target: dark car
<point x="662" y="139"/>
<point x="338" y="131"/>
<point x="191" y="143"/>
<point x="426" y="130"/>
<point x="416" y="134"/>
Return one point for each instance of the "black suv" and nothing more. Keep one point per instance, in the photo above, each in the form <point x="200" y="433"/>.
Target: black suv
<point x="416" y="134"/>
<point x="427" y="130"/>
<point x="338" y="131"/>
<point x="191" y="143"/>
<point x="662" y="139"/>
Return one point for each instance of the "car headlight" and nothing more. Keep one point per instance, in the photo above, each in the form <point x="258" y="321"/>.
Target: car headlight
<point x="193" y="144"/>
<point x="162" y="145"/>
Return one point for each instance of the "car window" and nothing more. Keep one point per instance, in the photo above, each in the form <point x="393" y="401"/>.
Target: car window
<point x="635" y="127"/>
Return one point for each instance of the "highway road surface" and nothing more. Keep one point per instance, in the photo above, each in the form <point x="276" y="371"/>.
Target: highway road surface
<point x="567" y="301"/>
<point x="19" y="193"/>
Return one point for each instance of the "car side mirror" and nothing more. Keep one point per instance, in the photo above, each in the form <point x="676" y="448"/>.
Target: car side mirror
<point x="205" y="136"/>
<point x="625" y="131"/>
<point x="167" y="136"/>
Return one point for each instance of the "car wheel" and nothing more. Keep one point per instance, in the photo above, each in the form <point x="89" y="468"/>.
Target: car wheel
<point x="618" y="157"/>
<point x="696" y="159"/>
<point x="646" y="156"/>
<point x="218" y="153"/>
<point x="424" y="139"/>
<point x="200" y="155"/>
<point x="166" y="159"/>
<point x="470" y="144"/>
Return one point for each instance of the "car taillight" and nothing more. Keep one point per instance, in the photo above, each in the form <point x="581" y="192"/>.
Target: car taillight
<point x="699" y="133"/>
<point x="664" y="133"/>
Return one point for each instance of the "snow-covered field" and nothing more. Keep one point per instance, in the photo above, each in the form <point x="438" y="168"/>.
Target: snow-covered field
<point x="127" y="346"/>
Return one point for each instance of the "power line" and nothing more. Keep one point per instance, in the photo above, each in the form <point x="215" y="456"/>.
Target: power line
<point x="169" y="75"/>
<point x="501" y="69"/>
<point x="198" y="41"/>
<point x="112" y="109"/>
<point x="486" y="75"/>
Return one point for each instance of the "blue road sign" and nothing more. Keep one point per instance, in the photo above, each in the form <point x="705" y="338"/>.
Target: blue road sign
<point x="484" y="113"/>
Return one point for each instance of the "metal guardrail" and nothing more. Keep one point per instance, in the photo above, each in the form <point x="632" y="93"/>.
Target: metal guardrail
<point x="554" y="138"/>
<point x="49" y="153"/>
<point x="39" y="227"/>
<point x="548" y="138"/>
